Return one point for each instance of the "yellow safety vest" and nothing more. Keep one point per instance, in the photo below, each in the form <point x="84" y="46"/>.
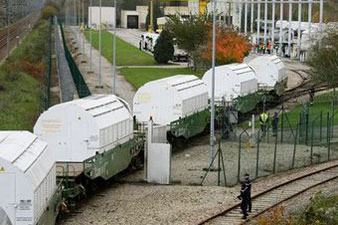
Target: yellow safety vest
<point x="264" y="117"/>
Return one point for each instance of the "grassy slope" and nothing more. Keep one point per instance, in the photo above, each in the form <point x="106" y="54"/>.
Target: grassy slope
<point x="322" y="103"/>
<point x="139" y="76"/>
<point x="20" y="98"/>
<point x="126" y="53"/>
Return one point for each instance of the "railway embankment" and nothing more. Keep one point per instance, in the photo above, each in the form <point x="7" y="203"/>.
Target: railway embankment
<point x="22" y="81"/>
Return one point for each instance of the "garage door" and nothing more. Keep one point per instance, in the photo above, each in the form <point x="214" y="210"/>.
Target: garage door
<point x="132" y="22"/>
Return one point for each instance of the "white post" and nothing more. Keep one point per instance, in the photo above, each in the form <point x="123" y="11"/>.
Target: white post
<point x="273" y="26"/>
<point x="321" y="9"/>
<point x="100" y="46"/>
<point x="258" y="22"/>
<point x="265" y="20"/>
<point x="148" y="143"/>
<point x="253" y="125"/>
<point x="114" y="53"/>
<point x="281" y="28"/>
<point x="310" y="17"/>
<point x="212" y="122"/>
<point x="289" y="32"/>
<point x="240" y="16"/>
<point x="83" y="26"/>
<point x="90" y="36"/>
<point x="79" y="34"/>
<point x="299" y="27"/>
<point x="8" y="25"/>
<point x="252" y="21"/>
<point x="246" y="18"/>
<point x="75" y="14"/>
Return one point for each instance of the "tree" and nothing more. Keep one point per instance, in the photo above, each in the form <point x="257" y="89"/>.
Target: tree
<point x="323" y="59"/>
<point x="157" y="13"/>
<point x="231" y="47"/>
<point x="164" y="48"/>
<point x="190" y="34"/>
<point x="50" y="10"/>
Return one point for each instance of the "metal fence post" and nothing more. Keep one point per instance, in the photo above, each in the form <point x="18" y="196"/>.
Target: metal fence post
<point x="321" y="126"/>
<point x="257" y="156"/>
<point x="306" y="128"/>
<point x="311" y="149"/>
<point x="275" y="154"/>
<point x="219" y="164"/>
<point x="282" y="126"/>
<point x="328" y="136"/>
<point x="239" y="158"/>
<point x="295" y="147"/>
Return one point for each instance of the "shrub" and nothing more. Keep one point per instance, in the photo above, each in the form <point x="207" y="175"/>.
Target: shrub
<point x="164" y="48"/>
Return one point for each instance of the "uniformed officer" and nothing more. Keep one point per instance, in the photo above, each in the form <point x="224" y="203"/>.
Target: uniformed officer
<point x="248" y="184"/>
<point x="274" y="124"/>
<point x="244" y="196"/>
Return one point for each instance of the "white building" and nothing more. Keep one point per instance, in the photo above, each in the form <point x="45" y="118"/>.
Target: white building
<point x="228" y="13"/>
<point x="107" y="17"/>
<point x="130" y="19"/>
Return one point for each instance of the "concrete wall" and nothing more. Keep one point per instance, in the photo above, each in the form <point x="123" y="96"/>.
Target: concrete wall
<point x="142" y="12"/>
<point x="107" y="18"/>
<point x="176" y="10"/>
<point x="124" y="17"/>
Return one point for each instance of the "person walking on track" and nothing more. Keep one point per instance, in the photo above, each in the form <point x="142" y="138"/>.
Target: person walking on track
<point x="244" y="197"/>
<point x="248" y="184"/>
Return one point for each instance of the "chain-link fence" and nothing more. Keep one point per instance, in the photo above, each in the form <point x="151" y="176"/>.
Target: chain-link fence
<point x="81" y="86"/>
<point x="288" y="140"/>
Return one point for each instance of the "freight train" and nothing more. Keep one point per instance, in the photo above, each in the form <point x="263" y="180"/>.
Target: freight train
<point x="77" y="144"/>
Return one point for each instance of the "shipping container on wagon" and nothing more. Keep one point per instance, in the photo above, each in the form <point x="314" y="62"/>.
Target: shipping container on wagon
<point x="80" y="129"/>
<point x="27" y="179"/>
<point x="269" y="70"/>
<point x="231" y="81"/>
<point x="169" y="99"/>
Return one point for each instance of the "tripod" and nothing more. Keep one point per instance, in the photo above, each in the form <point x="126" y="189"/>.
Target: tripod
<point x="218" y="154"/>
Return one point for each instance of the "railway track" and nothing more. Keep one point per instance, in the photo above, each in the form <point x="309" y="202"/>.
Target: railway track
<point x="17" y="29"/>
<point x="302" y="89"/>
<point x="275" y="196"/>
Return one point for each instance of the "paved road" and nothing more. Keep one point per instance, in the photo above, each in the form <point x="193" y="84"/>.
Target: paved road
<point x="123" y="88"/>
<point x="131" y="36"/>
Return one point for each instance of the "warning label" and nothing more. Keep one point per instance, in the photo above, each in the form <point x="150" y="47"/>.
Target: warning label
<point x="25" y="204"/>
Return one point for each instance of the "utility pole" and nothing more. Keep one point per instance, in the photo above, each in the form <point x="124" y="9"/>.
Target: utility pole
<point x="281" y="28"/>
<point x="212" y="122"/>
<point x="75" y="19"/>
<point x="8" y="24"/>
<point x="79" y="34"/>
<point x="114" y="54"/>
<point x="83" y="27"/>
<point x="90" y="36"/>
<point x="100" y="48"/>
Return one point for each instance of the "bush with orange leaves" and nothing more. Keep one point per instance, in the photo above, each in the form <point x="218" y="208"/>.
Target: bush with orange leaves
<point x="275" y="216"/>
<point x="231" y="47"/>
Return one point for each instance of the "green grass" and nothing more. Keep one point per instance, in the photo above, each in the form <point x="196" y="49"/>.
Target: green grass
<point x="322" y="104"/>
<point x="20" y="93"/>
<point x="139" y="76"/>
<point x="126" y="54"/>
<point x="321" y="211"/>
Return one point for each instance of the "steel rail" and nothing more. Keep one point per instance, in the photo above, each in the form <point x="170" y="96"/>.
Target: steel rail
<point x="233" y="208"/>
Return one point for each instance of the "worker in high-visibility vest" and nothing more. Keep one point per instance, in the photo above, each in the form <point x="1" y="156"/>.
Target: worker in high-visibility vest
<point x="263" y="119"/>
